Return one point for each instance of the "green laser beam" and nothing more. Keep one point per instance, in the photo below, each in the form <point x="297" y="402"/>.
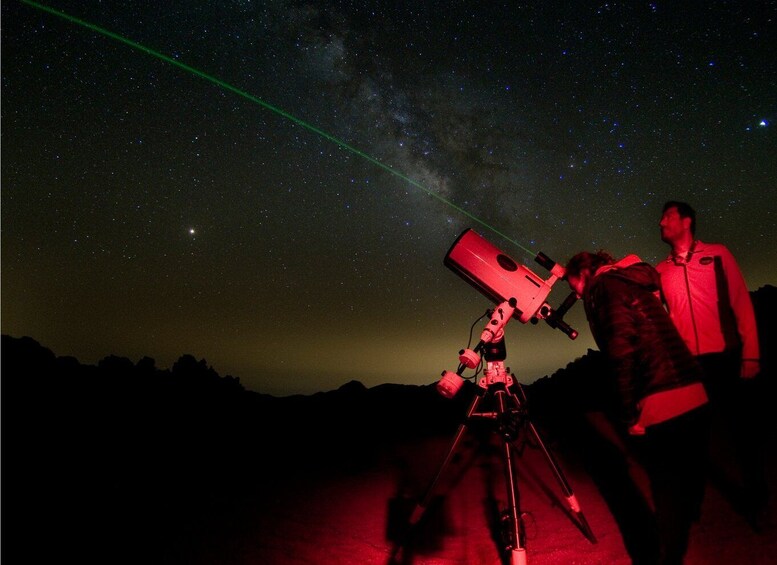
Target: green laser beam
<point x="280" y="112"/>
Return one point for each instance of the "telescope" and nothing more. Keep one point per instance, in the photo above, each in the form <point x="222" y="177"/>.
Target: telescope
<point x="521" y="294"/>
<point x="502" y="279"/>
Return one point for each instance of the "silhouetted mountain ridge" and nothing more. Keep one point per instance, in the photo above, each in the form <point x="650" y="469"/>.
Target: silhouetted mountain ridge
<point x="118" y="390"/>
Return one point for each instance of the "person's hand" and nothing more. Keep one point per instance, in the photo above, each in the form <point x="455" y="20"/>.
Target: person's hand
<point x="750" y="368"/>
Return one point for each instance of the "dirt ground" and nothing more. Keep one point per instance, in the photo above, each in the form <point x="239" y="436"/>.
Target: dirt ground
<point x="358" y="516"/>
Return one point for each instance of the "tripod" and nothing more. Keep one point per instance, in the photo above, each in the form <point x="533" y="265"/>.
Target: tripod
<point x="511" y="417"/>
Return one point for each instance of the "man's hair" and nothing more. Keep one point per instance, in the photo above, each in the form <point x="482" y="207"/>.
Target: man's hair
<point x="685" y="211"/>
<point x="587" y="261"/>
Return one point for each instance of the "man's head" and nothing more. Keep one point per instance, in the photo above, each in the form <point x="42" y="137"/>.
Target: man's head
<point x="678" y="220"/>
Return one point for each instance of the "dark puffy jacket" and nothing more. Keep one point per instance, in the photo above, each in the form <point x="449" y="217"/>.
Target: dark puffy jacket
<point x="631" y="327"/>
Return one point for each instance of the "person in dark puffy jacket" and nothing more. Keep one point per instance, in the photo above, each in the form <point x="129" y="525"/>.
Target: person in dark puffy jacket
<point x="658" y="384"/>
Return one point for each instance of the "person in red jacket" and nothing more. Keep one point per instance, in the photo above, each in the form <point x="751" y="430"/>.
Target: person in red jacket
<point x="710" y="305"/>
<point x="706" y="293"/>
<point x="658" y="385"/>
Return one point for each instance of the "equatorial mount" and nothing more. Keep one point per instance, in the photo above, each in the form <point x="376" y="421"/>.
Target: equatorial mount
<point x="491" y="347"/>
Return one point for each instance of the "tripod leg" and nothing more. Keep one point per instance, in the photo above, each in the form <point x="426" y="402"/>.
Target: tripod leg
<point x="420" y="508"/>
<point x="570" y="497"/>
<point x="517" y="551"/>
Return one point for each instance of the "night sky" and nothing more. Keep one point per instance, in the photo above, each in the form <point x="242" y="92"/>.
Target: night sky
<point x="150" y="210"/>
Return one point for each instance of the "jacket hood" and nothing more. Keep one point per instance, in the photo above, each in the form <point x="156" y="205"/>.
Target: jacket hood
<point x="631" y="268"/>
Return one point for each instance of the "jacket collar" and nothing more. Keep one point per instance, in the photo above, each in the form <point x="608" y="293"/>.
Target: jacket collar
<point x="681" y="259"/>
<point x="627" y="261"/>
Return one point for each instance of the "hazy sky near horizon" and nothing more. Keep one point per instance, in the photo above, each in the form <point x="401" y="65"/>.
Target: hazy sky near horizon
<point x="273" y="186"/>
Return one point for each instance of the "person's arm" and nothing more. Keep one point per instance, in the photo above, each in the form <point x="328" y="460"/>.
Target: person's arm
<point x="744" y="314"/>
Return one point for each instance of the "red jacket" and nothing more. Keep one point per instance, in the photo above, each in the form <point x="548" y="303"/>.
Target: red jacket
<point x="709" y="302"/>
